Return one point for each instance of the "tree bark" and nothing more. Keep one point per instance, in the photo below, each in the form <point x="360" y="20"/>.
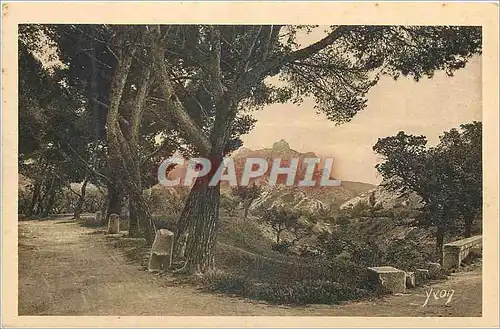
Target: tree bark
<point x="203" y="227"/>
<point x="133" y="222"/>
<point x="47" y="201"/>
<point x="114" y="202"/>
<point x="40" y="203"/>
<point x="50" y="201"/>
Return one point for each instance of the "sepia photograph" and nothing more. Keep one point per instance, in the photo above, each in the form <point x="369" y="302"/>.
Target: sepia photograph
<point x="198" y="168"/>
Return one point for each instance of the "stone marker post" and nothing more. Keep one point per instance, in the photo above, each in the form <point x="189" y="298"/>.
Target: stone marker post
<point x="161" y="251"/>
<point x="98" y="218"/>
<point x="114" y="224"/>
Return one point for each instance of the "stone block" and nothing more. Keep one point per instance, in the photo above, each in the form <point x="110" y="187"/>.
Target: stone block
<point x="455" y="252"/>
<point x="93" y="221"/>
<point x="410" y="280"/>
<point x="389" y="278"/>
<point x="114" y="224"/>
<point x="98" y="217"/>
<point x="161" y="251"/>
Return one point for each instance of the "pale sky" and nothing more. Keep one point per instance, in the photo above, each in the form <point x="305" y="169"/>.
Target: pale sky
<point x="427" y="107"/>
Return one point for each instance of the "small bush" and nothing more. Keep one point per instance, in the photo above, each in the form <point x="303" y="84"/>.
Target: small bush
<point x="407" y="255"/>
<point x="229" y="204"/>
<point x="358" y="209"/>
<point x="221" y="281"/>
<point x="282" y="247"/>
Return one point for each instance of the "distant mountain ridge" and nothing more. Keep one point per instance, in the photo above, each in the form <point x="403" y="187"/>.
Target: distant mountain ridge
<point x="280" y="149"/>
<point x="311" y="198"/>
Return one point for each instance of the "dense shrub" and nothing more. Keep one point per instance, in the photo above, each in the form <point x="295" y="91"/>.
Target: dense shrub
<point x="288" y="292"/>
<point x="282" y="247"/>
<point x="342" y="245"/>
<point x="221" y="281"/>
<point x="407" y="254"/>
<point x="359" y="209"/>
<point x="288" y="280"/>
<point x="229" y="203"/>
<point x="24" y="200"/>
<point x="243" y="234"/>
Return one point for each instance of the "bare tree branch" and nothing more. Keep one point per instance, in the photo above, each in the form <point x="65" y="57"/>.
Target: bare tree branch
<point x="273" y="65"/>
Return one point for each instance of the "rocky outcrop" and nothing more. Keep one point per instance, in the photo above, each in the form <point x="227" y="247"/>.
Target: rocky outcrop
<point x="293" y="199"/>
<point x="384" y="199"/>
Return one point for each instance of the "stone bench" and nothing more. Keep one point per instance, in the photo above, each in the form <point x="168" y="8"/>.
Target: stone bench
<point x="389" y="278"/>
<point x="455" y="252"/>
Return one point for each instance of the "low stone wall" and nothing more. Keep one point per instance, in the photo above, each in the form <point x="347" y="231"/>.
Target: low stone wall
<point x="455" y="252"/>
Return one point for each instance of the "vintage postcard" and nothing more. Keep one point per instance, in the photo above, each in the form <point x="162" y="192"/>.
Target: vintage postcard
<point x="272" y="164"/>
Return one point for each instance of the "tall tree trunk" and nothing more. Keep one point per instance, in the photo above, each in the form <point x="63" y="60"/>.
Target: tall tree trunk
<point x="40" y="202"/>
<point x="50" y="202"/>
<point x="44" y="204"/>
<point x="141" y="221"/>
<point x="34" y="198"/>
<point x="133" y="221"/>
<point x="114" y="201"/>
<point x="115" y="158"/>
<point x="203" y="227"/>
<point x="123" y="146"/>
<point x="81" y="200"/>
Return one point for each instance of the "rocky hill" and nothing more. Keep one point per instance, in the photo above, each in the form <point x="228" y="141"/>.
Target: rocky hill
<point x="384" y="199"/>
<point x="309" y="199"/>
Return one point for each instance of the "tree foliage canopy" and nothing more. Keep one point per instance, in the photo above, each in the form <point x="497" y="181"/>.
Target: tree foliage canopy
<point x="448" y="177"/>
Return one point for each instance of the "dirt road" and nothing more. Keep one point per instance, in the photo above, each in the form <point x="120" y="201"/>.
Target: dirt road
<point x="64" y="269"/>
